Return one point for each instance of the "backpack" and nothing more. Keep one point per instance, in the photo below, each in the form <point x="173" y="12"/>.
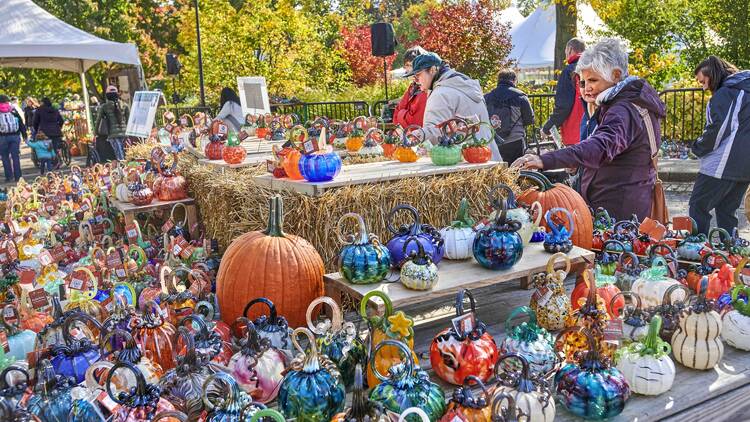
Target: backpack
<point x="8" y="123"/>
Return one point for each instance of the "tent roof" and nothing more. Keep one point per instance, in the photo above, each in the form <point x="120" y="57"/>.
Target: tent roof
<point x="534" y="38"/>
<point x="31" y="37"/>
<point x="511" y="16"/>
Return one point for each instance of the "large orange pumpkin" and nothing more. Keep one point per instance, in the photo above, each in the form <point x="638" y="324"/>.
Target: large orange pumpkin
<point x="281" y="267"/>
<point x="558" y="195"/>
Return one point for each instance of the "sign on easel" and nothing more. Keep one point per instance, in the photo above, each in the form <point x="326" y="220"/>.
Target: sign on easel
<point x="253" y="95"/>
<point x="143" y="113"/>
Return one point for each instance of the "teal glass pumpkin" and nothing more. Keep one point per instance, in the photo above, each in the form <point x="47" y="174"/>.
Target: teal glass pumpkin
<point x="591" y="388"/>
<point x="406" y="385"/>
<point x="52" y="401"/>
<point x="338" y="340"/>
<point x="529" y="340"/>
<point x="225" y="401"/>
<point x="363" y="259"/>
<point x="558" y="239"/>
<point x="75" y="355"/>
<point x="312" y="390"/>
<point x="320" y="167"/>
<point x="499" y="246"/>
<point x="20" y="342"/>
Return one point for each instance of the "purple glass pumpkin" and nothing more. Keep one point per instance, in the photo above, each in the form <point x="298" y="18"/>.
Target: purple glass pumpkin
<point x="73" y="358"/>
<point x="428" y="237"/>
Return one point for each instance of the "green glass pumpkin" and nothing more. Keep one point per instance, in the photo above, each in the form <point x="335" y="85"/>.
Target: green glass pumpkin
<point x="363" y="259"/>
<point x="406" y="385"/>
<point x="448" y="150"/>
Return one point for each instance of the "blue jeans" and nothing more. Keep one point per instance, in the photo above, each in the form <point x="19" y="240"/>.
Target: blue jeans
<point x="45" y="165"/>
<point x="10" y="149"/>
<point x="117" y="145"/>
<point x="723" y="196"/>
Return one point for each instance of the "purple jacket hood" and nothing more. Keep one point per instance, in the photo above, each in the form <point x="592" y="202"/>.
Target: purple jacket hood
<point x="634" y="90"/>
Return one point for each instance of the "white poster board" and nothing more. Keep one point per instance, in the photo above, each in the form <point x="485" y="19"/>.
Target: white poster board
<point x="143" y="113"/>
<point x="253" y="95"/>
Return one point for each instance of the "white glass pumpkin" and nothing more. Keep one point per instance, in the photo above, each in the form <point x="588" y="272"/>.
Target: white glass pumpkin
<point x="459" y="236"/>
<point x="418" y="272"/>
<point x="373" y="139"/>
<point x="646" y="364"/>
<point x="697" y="343"/>
<point x="634" y="325"/>
<point x="736" y="323"/>
<point x="531" y="395"/>
<point x="653" y="282"/>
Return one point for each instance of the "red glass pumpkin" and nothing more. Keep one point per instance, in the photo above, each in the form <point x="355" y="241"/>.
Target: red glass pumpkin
<point x="156" y="336"/>
<point x="388" y="149"/>
<point x="141" y="194"/>
<point x="476" y="154"/>
<point x="213" y="150"/>
<point x="169" y="185"/>
<point x="604" y="289"/>
<point x="233" y="154"/>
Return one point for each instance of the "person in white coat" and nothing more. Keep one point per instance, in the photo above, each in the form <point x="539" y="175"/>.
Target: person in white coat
<point x="449" y="94"/>
<point x="231" y="110"/>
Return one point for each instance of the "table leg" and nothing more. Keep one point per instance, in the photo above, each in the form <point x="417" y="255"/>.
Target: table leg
<point x="192" y="219"/>
<point x="526" y="282"/>
<point x="333" y="292"/>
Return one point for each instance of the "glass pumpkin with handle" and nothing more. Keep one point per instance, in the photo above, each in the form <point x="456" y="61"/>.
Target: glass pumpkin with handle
<point x="529" y="340"/>
<point x="464" y="406"/>
<point x="447" y="152"/>
<point x="428" y="237"/>
<point x="225" y="401"/>
<point x="646" y="363"/>
<point x="504" y="193"/>
<point x="529" y="390"/>
<point x="475" y="150"/>
<point x="363" y="259"/>
<point x="291" y="154"/>
<point x="458" y="238"/>
<point x="273" y="326"/>
<point x="418" y="272"/>
<point x="374" y="138"/>
<point x="736" y="322"/>
<point x="258" y="366"/>
<point x="319" y="164"/>
<point x="362" y="409"/>
<point x="405" y="151"/>
<point x="77" y="353"/>
<point x="140" y="403"/>
<point x="155" y="335"/>
<point x="51" y="401"/>
<point x="697" y="341"/>
<point x="20" y="342"/>
<point x="356" y="137"/>
<point x="499" y="246"/>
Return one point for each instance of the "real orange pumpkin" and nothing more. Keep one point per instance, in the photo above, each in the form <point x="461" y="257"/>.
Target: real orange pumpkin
<point x="560" y="196"/>
<point x="281" y="267"/>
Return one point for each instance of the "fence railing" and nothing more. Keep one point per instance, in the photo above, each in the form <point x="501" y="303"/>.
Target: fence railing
<point x="339" y="110"/>
<point x="686" y="114"/>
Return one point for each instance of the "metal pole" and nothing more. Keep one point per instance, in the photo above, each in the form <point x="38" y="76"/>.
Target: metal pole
<point x="200" y="53"/>
<point x="89" y="117"/>
<point x="385" y="77"/>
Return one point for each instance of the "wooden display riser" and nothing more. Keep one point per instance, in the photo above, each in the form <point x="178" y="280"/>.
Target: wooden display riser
<point x="360" y="174"/>
<point x="130" y="210"/>
<point x="457" y="275"/>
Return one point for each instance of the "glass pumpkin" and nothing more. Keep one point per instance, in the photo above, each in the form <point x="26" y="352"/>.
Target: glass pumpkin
<point x="140" y="403"/>
<point x="736" y="322"/>
<point x="20" y="342"/>
<point x="428" y="237"/>
<point x="75" y="355"/>
<point x="227" y="402"/>
<point x="532" y="342"/>
<point x="406" y="385"/>
<point x="52" y="401"/>
<point x="652" y="283"/>
<point x="697" y="341"/>
<point x="208" y="344"/>
<point x="156" y="336"/>
<point x="363" y="409"/>
<point x="170" y="185"/>
<point x="405" y="151"/>
<point x="475" y="149"/>
<point x="498" y="246"/>
<point x="83" y="300"/>
<point x="646" y="364"/>
<point x="312" y="390"/>
<point x="418" y="272"/>
<point x="634" y="318"/>
<point x="363" y="259"/>
<point x="559" y="237"/>
<point x="273" y="327"/>
<point x="258" y="366"/>
<point x="31" y="319"/>
<point x="128" y="352"/>
<point x="530" y="391"/>
<point x="233" y="152"/>
<point x="465" y="407"/>
<point x="338" y="340"/>
<point x="549" y="301"/>
<point x="447" y="152"/>
<point x="593" y="315"/>
<point x="590" y="387"/>
<point x="214" y="149"/>
<point x="457" y="353"/>
<point x="320" y="166"/>
<point x="389" y="326"/>
<point x="290" y="163"/>
<point x="459" y="236"/>
<point x="372" y="146"/>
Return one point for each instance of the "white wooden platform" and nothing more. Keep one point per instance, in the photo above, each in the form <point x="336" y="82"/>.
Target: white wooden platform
<point x="359" y="174"/>
<point x="130" y="210"/>
<point x="454" y="276"/>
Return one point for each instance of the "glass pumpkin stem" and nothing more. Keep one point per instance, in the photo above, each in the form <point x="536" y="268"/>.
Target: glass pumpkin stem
<point x="460" y="302"/>
<point x="653" y="344"/>
<point x="272" y="315"/>
<point x="463" y="220"/>
<point x="525" y="384"/>
<point x="312" y="361"/>
<point x="724" y="241"/>
<point x="415" y="228"/>
<point x="361" y="238"/>
<point x="505" y="193"/>
<point x="537" y="179"/>
<point x="231" y="401"/>
<point x="553" y="260"/>
<point x="625" y="294"/>
<point x="139" y="394"/>
<point x="509" y="413"/>
<point x="336" y="315"/>
<point x="79" y="317"/>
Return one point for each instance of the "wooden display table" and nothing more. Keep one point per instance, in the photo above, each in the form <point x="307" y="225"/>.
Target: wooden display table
<point x="457" y="275"/>
<point x="360" y="174"/>
<point x="130" y="210"/>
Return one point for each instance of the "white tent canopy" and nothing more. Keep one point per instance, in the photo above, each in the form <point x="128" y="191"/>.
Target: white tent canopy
<point x="534" y="38"/>
<point x="31" y="37"/>
<point x="510" y="16"/>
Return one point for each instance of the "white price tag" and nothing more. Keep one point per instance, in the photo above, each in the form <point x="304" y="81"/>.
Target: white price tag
<point x="45" y="258"/>
<point x="132" y="234"/>
<point x="120" y="272"/>
<point x="8" y="312"/>
<point x="77" y="283"/>
<point x="544" y="295"/>
<point x="176" y="249"/>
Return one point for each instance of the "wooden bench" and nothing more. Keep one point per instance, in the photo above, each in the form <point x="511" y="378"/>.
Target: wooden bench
<point x="130" y="210"/>
<point x="454" y="276"/>
<point x="360" y="174"/>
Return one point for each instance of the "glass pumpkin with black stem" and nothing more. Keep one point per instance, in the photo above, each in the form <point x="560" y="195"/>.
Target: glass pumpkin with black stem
<point x="465" y="406"/>
<point x="475" y="149"/>
<point x="257" y="366"/>
<point x="447" y="152"/>
<point x="499" y="246"/>
<point x="411" y="137"/>
<point x="427" y="236"/>
<point x="418" y="272"/>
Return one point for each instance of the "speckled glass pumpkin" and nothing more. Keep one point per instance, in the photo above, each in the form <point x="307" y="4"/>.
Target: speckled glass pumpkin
<point x="634" y="318"/>
<point x="273" y="326"/>
<point x="225" y="401"/>
<point x="337" y="339"/>
<point x="458" y="354"/>
<point x="406" y="385"/>
<point x="418" y="272"/>
<point x="549" y="301"/>
<point x="530" y="391"/>
<point x="590" y="388"/>
<point x="529" y="340"/>
<point x="312" y="390"/>
<point x="363" y="259"/>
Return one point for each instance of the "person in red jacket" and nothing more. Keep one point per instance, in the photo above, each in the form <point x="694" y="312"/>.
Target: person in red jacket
<point x="410" y="110"/>
<point x="568" y="111"/>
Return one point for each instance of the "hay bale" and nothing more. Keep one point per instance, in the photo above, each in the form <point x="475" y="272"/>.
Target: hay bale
<point x="231" y="204"/>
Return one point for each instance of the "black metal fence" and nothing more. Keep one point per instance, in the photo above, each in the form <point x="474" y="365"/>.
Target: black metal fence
<point x="340" y="110"/>
<point x="686" y="114"/>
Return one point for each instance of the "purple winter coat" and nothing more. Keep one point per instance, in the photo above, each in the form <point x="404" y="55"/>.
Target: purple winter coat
<point x="617" y="156"/>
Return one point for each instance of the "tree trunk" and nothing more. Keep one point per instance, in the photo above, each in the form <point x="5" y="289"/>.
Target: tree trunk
<point x="566" y="15"/>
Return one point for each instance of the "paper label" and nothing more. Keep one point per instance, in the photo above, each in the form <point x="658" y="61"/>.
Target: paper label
<point x="167" y="226"/>
<point x="106" y="401"/>
<point x="131" y="232"/>
<point x="27" y="277"/>
<point x="38" y="298"/>
<point x="120" y="271"/>
<point x="542" y="295"/>
<point x="183" y="121"/>
<point x="45" y="258"/>
<point x="187" y="252"/>
<point x="613" y="331"/>
<point x="12" y="251"/>
<point x="481" y="224"/>
<point x="8" y="313"/>
<point x="78" y="280"/>
<point x="270" y="166"/>
<point x="464" y="324"/>
<point x="58" y="253"/>
<point x="108" y="303"/>
<point x="85" y="207"/>
<point x="179" y="245"/>
<point x="113" y="259"/>
<point x="310" y="146"/>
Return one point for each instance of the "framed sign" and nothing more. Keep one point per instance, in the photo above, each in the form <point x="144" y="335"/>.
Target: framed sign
<point x="143" y="113"/>
<point x="253" y="95"/>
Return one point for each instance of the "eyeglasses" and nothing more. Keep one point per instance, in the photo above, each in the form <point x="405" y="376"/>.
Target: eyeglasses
<point x="582" y="84"/>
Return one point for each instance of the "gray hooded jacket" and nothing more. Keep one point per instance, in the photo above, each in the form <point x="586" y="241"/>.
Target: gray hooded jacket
<point x="456" y="95"/>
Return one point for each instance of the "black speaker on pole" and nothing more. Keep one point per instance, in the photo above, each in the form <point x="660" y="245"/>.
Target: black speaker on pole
<point x="383" y="39"/>
<point x="173" y="64"/>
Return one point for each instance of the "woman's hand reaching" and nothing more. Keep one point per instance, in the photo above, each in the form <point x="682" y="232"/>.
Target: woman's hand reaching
<point x="528" y="162"/>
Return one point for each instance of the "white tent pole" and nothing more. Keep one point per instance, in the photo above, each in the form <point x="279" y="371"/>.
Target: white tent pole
<point x="86" y="101"/>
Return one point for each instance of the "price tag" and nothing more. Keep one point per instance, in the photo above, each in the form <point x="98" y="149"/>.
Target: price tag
<point x="9" y="315"/>
<point x="27" y="276"/>
<point x="99" y="218"/>
<point x="270" y="166"/>
<point x="104" y="399"/>
<point x="38" y="298"/>
<point x="167" y="226"/>
<point x="131" y="231"/>
<point x="4" y="259"/>
<point x="108" y="303"/>
<point x="85" y="207"/>
<point x="25" y="194"/>
<point x="4" y="341"/>
<point x="45" y="258"/>
<point x="97" y="229"/>
<point x="157" y="155"/>
<point x="613" y="331"/>
<point x="113" y="259"/>
<point x="120" y="271"/>
<point x="464" y="324"/>
<point x="58" y="253"/>
<point x="481" y="224"/>
<point x="78" y="280"/>
<point x="179" y="245"/>
<point x="310" y="146"/>
<point x="168" y="127"/>
<point x="223" y="130"/>
<point x="187" y="252"/>
<point x="242" y="135"/>
<point x="542" y="296"/>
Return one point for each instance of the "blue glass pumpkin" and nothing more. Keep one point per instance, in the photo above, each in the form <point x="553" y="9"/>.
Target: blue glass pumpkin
<point x="74" y="357"/>
<point x="626" y="231"/>
<point x="312" y="390"/>
<point x="591" y="388"/>
<point x="20" y="342"/>
<point x="52" y="401"/>
<point x="499" y="246"/>
<point x="362" y="260"/>
<point x="320" y="166"/>
<point x="406" y="385"/>
<point x="558" y="240"/>
<point x="427" y="236"/>
<point x="226" y="402"/>
<point x="273" y="327"/>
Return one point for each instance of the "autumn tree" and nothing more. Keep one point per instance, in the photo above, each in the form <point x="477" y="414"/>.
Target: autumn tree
<point x="356" y="48"/>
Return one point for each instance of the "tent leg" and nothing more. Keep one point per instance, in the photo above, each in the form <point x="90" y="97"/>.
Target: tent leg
<point x="86" y="103"/>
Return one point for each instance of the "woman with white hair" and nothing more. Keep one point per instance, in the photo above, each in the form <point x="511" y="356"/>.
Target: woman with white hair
<point x="619" y="157"/>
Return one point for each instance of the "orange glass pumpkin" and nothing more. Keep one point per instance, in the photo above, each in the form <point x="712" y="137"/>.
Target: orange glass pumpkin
<point x="405" y="154"/>
<point x="710" y="264"/>
<point x="233" y="152"/>
<point x="388" y="149"/>
<point x="213" y="150"/>
<point x="464" y="406"/>
<point x="156" y="336"/>
<point x="268" y="252"/>
<point x="170" y="185"/>
<point x="605" y="289"/>
<point x="31" y="319"/>
<point x="592" y="315"/>
<point x="476" y="154"/>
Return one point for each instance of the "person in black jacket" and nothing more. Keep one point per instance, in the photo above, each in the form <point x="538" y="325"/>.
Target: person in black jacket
<point x="12" y="129"/>
<point x="28" y="113"/>
<point x="566" y="116"/>
<point x="724" y="146"/>
<point x="50" y="122"/>
<point x="510" y="107"/>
